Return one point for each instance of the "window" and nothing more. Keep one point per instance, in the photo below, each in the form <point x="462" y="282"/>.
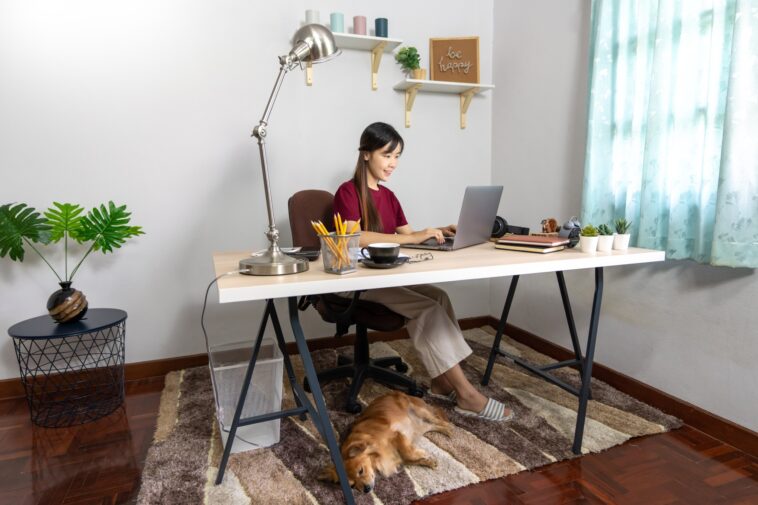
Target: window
<point x="672" y="116"/>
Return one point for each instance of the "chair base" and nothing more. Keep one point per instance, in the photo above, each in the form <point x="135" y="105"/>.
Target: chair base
<point x="376" y="369"/>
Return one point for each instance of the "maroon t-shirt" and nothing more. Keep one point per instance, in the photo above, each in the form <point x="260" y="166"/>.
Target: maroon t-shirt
<point x="348" y="205"/>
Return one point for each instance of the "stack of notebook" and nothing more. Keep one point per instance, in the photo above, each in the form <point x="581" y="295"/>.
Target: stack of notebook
<point x="532" y="243"/>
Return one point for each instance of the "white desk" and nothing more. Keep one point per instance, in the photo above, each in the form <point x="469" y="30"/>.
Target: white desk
<point x="478" y="262"/>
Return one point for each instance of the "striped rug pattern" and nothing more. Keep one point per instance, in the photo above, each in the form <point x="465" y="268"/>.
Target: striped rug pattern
<point x="182" y="462"/>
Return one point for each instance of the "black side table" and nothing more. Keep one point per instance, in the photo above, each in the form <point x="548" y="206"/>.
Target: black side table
<point x="73" y="373"/>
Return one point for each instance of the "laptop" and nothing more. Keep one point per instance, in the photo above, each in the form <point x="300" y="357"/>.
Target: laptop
<point x="478" y="212"/>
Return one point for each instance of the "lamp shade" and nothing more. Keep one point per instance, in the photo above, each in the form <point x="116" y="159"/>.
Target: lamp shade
<point x="314" y="43"/>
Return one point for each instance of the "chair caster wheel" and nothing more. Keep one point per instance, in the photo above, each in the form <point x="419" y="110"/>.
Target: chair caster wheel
<point x="416" y="391"/>
<point x="303" y="417"/>
<point x="353" y="407"/>
<point x="306" y="386"/>
<point x="401" y="367"/>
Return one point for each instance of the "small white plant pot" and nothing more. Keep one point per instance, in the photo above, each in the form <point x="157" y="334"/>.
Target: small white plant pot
<point x="588" y="244"/>
<point x="604" y="243"/>
<point x="621" y="242"/>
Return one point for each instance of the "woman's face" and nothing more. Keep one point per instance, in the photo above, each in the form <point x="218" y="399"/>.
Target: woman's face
<point x="382" y="162"/>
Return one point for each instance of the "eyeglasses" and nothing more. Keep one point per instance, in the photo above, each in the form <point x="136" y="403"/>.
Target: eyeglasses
<point x="418" y="258"/>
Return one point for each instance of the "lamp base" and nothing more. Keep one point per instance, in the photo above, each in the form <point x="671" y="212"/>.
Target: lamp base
<point x="270" y="263"/>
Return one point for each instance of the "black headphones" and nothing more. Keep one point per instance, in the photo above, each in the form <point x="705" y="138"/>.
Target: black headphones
<point x="500" y="227"/>
<point x="571" y="230"/>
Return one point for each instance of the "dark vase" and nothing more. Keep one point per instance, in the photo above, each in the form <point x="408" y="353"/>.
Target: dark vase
<point x="67" y="304"/>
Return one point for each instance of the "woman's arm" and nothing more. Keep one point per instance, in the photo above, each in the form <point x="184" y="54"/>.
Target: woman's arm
<point x="404" y="235"/>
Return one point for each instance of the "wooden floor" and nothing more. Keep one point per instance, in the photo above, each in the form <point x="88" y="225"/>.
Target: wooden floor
<point x="100" y="463"/>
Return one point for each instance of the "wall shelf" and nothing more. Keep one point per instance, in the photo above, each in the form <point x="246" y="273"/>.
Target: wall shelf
<point x="465" y="90"/>
<point x="375" y="45"/>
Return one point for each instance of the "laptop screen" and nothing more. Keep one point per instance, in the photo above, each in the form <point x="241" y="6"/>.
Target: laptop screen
<point x="477" y="215"/>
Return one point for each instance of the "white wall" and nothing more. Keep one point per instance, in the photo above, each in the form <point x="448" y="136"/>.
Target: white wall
<point x="151" y="104"/>
<point x="687" y="329"/>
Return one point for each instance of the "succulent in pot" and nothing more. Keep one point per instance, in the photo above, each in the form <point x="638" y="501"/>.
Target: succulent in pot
<point x="588" y="238"/>
<point x="101" y="229"/>
<point x="605" y="240"/>
<point x="621" y="239"/>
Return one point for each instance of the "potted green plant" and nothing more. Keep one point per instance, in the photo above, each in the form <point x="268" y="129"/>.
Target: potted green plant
<point x="410" y="61"/>
<point x="588" y="239"/>
<point x="102" y="229"/>
<point x="605" y="240"/>
<point x="621" y="239"/>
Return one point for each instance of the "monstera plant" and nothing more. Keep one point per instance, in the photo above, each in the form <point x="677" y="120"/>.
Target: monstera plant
<point x="103" y="229"/>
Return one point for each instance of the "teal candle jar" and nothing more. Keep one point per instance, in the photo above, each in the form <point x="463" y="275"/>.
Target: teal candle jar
<point x="337" y="22"/>
<point x="380" y="26"/>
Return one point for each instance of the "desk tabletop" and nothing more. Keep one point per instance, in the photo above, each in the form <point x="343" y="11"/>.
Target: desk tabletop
<point x="478" y="262"/>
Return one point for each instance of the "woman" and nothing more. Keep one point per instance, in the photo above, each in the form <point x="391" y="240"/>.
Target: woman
<point x="432" y="324"/>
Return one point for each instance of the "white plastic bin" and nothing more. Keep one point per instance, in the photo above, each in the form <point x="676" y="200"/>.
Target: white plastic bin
<point x="228" y="365"/>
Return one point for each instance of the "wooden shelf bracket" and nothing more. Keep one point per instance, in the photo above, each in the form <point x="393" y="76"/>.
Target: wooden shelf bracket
<point x="374" y="45"/>
<point x="410" y="96"/>
<point x="466" y="97"/>
<point x="376" y="59"/>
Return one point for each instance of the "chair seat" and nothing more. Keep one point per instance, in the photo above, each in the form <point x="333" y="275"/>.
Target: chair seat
<point x="373" y="316"/>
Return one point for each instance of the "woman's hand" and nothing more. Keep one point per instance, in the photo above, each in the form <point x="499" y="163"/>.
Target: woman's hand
<point x="449" y="230"/>
<point x="428" y="233"/>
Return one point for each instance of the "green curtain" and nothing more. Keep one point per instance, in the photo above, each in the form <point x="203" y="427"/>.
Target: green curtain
<point x="672" y="141"/>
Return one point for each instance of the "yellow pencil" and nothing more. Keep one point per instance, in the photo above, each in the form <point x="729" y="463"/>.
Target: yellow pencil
<point x="338" y="232"/>
<point x="344" y="244"/>
<point x="343" y="240"/>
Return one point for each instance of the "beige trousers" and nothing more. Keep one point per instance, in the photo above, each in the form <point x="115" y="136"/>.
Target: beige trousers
<point x="431" y="323"/>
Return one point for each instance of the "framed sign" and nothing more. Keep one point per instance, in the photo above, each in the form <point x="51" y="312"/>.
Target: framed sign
<point x="455" y="59"/>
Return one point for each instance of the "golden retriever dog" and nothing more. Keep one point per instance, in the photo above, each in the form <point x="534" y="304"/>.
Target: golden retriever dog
<point x="384" y="437"/>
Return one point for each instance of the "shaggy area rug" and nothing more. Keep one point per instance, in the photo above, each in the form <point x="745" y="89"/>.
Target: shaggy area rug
<point x="182" y="462"/>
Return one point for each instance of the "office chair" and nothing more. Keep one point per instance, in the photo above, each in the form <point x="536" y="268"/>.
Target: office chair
<point x="311" y="205"/>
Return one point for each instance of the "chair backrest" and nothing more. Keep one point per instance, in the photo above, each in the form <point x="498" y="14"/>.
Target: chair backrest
<point x="306" y="206"/>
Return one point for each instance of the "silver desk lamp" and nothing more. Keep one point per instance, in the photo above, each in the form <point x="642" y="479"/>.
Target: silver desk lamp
<point x="312" y="44"/>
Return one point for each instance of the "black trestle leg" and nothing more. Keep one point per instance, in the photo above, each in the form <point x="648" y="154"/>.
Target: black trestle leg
<point x="243" y="394"/>
<point x="587" y="368"/>
<point x="569" y="315"/>
<point x="287" y="361"/>
<point x="321" y="416"/>
<point x="500" y="330"/>
<point x="570" y="320"/>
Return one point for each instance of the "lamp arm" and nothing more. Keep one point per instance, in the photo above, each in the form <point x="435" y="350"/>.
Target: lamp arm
<point x="283" y="69"/>
<point x="260" y="132"/>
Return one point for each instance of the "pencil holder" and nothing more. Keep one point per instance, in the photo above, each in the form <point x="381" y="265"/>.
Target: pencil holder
<point x="336" y="251"/>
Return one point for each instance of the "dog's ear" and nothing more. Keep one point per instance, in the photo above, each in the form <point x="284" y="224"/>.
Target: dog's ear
<point x="329" y="474"/>
<point x="355" y="449"/>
